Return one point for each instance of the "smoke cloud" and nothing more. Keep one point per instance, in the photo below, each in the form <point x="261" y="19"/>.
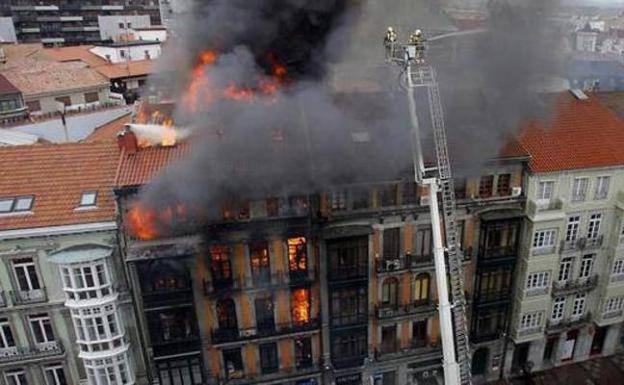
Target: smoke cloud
<point x="339" y="116"/>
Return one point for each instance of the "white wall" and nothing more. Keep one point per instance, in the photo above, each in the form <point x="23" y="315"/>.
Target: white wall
<point x="151" y="34"/>
<point x="125" y="53"/>
<point x="7" y="30"/>
<point x="49" y="103"/>
<point x="586" y="41"/>
<point x="110" y="25"/>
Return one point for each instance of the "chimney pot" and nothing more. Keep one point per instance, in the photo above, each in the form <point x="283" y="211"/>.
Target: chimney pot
<point x="127" y="140"/>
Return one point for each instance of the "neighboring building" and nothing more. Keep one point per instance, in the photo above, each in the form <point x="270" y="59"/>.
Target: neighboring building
<point x="67" y="23"/>
<point x="589" y="71"/>
<point x="125" y="51"/>
<point x="568" y="303"/>
<point x="7" y="30"/>
<point x="587" y="39"/>
<point x="12" y="105"/>
<point x="115" y="28"/>
<point x="65" y="315"/>
<point x="154" y="33"/>
<point x="127" y="78"/>
<point x="46" y="85"/>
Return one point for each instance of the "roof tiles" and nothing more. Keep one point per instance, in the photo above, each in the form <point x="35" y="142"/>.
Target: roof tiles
<point x="138" y="169"/>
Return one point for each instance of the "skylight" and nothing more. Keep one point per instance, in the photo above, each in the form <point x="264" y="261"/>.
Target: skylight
<point x="19" y="204"/>
<point x="88" y="198"/>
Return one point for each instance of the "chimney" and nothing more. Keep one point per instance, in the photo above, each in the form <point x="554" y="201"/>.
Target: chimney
<point x="127" y="140"/>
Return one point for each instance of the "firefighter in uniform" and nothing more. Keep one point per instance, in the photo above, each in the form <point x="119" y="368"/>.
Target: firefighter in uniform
<point x="390" y="41"/>
<point x="418" y="40"/>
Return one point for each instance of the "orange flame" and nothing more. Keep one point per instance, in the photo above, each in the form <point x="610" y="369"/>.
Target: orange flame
<point x="147" y="223"/>
<point x="198" y="87"/>
<point x="300" y="299"/>
<point x="233" y="92"/>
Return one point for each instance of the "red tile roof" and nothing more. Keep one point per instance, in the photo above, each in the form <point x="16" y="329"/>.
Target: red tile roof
<point x="124" y="70"/>
<point x="6" y="87"/>
<point x="57" y="175"/>
<point x="137" y="169"/>
<point x="581" y="134"/>
<point x="75" y="53"/>
<point x="108" y="132"/>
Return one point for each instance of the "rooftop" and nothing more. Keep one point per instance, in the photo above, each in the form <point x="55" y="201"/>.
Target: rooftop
<point x="56" y="176"/>
<point x="127" y="69"/>
<point x="6" y="88"/>
<point x="581" y="134"/>
<point x="108" y="132"/>
<point x="139" y="168"/>
<point x="131" y="43"/>
<point x="75" y="53"/>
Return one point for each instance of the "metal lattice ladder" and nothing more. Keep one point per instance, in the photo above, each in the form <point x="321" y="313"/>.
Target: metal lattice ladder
<point x="424" y="76"/>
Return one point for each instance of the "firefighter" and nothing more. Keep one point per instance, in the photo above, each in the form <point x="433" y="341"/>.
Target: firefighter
<point x="390" y="42"/>
<point x="418" y="40"/>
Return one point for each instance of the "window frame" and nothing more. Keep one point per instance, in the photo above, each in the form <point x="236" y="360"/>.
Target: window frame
<point x="601" y="192"/>
<point x="39" y="322"/>
<point x="54" y="370"/>
<point x="579" y="304"/>
<point x="558" y="309"/>
<point x="531" y="320"/>
<point x="543" y="236"/>
<point x="579" y="191"/>
<point x="542" y="189"/>
<point x="587" y="265"/>
<point x="82" y="203"/>
<point x="537" y="280"/>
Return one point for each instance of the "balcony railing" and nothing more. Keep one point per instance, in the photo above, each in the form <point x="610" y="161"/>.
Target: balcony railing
<point x="277" y="279"/>
<point x="174" y="346"/>
<point x="543" y="250"/>
<point x="593" y="243"/>
<point x="536" y="291"/>
<point x="492" y="296"/>
<point x="581" y="244"/>
<point x="345" y="273"/>
<point x="612" y="314"/>
<point x="557" y="326"/>
<point x="18" y="353"/>
<point x="573" y="286"/>
<point x="21" y="297"/>
<point x="403" y="262"/>
<point x="348" y="362"/>
<point x="262" y="331"/>
<point x="528" y="331"/>
<point x="416" y="347"/>
<point x="390" y="311"/>
<point x="498" y="252"/>
<point x="168" y="297"/>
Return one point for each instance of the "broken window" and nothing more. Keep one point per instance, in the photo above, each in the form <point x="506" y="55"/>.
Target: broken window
<point x="220" y="265"/>
<point x="233" y="362"/>
<point x="265" y="320"/>
<point x="259" y="261"/>
<point x="485" y="186"/>
<point x="300" y="306"/>
<point x="388" y="339"/>
<point x="303" y="352"/>
<point x="226" y="314"/>
<point x="391" y="243"/>
<point x="297" y="257"/>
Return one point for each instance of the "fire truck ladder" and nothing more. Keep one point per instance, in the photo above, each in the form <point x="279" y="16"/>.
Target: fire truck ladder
<point x="422" y="75"/>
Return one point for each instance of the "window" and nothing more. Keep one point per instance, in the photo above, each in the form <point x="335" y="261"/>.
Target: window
<point x="91" y="97"/>
<point x="226" y="314"/>
<point x="586" y="266"/>
<point x="16" y="377"/>
<point x="602" y="187"/>
<point x="545" y="190"/>
<point x="348" y="306"/>
<point x="349" y="345"/>
<point x="361" y="198"/>
<point x="579" y="189"/>
<point x="544" y="239"/>
<point x="593" y="229"/>
<point x="55" y="375"/>
<point x="578" y="309"/>
<point x="572" y="228"/>
<point x="348" y="258"/>
<point x="503" y="186"/>
<point x="65" y="100"/>
<point x="531" y="320"/>
<point x="19" y="204"/>
<point x="122" y="53"/>
<point x="300" y="306"/>
<point x="389" y="292"/>
<point x="41" y="327"/>
<point x="419" y="333"/>
<point x="420" y="289"/>
<point x="220" y="264"/>
<point x="6" y="205"/>
<point x="338" y="200"/>
<point x="26" y="274"/>
<point x="121" y="25"/>
<point x="557" y="309"/>
<point x="259" y="261"/>
<point x="391" y="243"/>
<point x="233" y="362"/>
<point x="388" y="339"/>
<point x="183" y="371"/>
<point x="388" y="195"/>
<point x="6" y="335"/>
<point x="409" y="193"/>
<point x="618" y="267"/>
<point x="297" y="255"/>
<point x="485" y="186"/>
<point x="34" y="106"/>
<point x="614" y="304"/>
<point x="268" y="358"/>
<point x="88" y="198"/>
<point x="303" y="352"/>
<point x="265" y="320"/>
<point x="539" y="280"/>
<point x="423" y="243"/>
<point x="565" y="269"/>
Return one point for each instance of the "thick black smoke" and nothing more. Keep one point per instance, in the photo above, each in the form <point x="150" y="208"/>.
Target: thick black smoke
<point x="341" y="118"/>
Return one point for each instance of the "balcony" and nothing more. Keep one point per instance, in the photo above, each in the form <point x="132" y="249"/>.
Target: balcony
<point x="404" y="262"/>
<point x="416" y="347"/>
<point x="612" y="314"/>
<point x="274" y="280"/>
<point x="497" y="253"/>
<point x="492" y="296"/>
<point x="538" y="210"/>
<point x="348" y="362"/>
<point x="220" y="336"/>
<point x="558" y="326"/>
<point x="574" y="286"/>
<point x="21" y="297"/>
<point x="18" y="353"/>
<point x="581" y="244"/>
<point x="529" y="331"/>
<point x="175" y="346"/>
<point x="391" y="311"/>
<point x="348" y="273"/>
<point x="171" y="297"/>
<point x="543" y="250"/>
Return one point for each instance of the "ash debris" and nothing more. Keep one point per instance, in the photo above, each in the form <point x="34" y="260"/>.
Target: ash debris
<point x="307" y="135"/>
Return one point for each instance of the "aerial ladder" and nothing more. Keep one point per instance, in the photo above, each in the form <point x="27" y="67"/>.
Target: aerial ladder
<point x="418" y="77"/>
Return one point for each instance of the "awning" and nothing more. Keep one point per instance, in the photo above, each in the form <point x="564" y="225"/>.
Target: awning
<point x="80" y="254"/>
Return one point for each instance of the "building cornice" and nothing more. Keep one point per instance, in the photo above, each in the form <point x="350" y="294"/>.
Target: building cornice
<point x="57" y="230"/>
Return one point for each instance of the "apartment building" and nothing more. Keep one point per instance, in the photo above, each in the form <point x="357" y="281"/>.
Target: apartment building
<point x="65" y="313"/>
<point x="74" y="22"/>
<point x="568" y="292"/>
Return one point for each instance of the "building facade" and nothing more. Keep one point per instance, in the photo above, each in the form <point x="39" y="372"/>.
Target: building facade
<point x="71" y="23"/>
